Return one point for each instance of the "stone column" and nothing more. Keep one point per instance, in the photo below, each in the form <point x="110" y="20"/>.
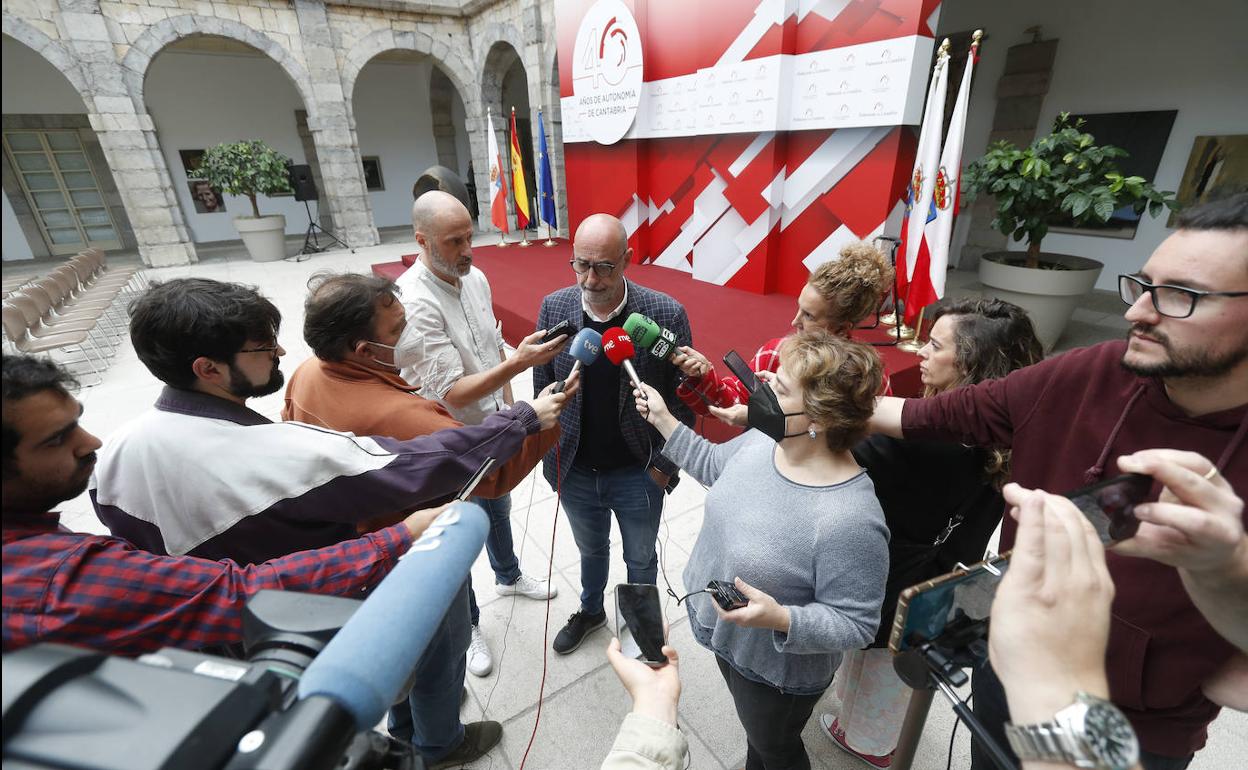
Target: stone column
<point x="344" y="194"/>
<point x="1020" y="95"/>
<point x="128" y="139"/>
<point x="440" y="98"/>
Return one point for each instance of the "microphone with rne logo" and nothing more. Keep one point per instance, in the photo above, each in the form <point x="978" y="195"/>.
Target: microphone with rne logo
<point x="649" y="335"/>
<point x="617" y="346"/>
<point x="585" y="348"/>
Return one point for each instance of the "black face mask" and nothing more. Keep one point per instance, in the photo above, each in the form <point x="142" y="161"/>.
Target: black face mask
<point x="766" y="416"/>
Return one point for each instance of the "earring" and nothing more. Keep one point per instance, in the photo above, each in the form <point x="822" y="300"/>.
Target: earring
<point x="811" y="432"/>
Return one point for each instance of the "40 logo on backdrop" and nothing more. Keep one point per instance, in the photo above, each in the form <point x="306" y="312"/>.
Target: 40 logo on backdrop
<point x="743" y="141"/>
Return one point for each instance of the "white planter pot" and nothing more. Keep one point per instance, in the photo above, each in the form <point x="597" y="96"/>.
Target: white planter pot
<point x="264" y="237"/>
<point x="1048" y="296"/>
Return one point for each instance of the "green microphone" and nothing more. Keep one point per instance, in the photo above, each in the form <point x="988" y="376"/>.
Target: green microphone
<point x="642" y="330"/>
<point x="645" y="333"/>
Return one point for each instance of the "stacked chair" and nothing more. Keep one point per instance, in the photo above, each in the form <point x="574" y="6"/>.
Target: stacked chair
<point x="75" y="313"/>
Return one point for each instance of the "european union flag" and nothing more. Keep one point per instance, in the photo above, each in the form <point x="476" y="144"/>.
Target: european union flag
<point x="546" y="184"/>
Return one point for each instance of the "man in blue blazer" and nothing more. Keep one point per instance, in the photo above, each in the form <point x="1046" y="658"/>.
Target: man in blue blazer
<point x="608" y="457"/>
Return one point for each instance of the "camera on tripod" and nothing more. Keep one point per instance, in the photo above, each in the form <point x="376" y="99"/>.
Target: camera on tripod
<point x="70" y="707"/>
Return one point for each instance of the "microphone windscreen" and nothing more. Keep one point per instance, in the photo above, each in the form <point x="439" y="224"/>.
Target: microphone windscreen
<point x="368" y="663"/>
<point x="617" y="346"/>
<point x="586" y="346"/>
<point x="643" y="330"/>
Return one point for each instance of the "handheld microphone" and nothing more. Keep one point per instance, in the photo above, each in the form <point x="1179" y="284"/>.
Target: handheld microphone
<point x="618" y="347"/>
<point x="585" y="348"/>
<point x="646" y="333"/>
<point x="367" y="666"/>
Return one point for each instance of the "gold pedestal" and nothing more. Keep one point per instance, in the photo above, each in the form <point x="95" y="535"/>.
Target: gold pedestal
<point x="889" y="319"/>
<point x="502" y="241"/>
<point x="911" y="345"/>
<point x="524" y="242"/>
<point x="549" y="242"/>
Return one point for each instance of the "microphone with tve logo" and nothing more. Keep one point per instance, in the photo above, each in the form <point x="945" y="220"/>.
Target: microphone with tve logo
<point x="617" y="346"/>
<point x="585" y="348"/>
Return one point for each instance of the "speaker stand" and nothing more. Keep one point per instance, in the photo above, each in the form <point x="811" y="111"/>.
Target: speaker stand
<point x="312" y="238"/>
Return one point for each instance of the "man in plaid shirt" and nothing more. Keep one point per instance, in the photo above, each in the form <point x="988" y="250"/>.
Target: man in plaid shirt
<point x="609" y="458"/>
<point x="102" y="592"/>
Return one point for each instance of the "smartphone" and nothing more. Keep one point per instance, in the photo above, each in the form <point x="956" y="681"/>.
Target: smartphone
<point x="1110" y="505"/>
<point x="563" y="327"/>
<point x="726" y="595"/>
<point x="737" y="365"/>
<point x="639" y="623"/>
<point x="475" y="479"/>
<point x="945" y="604"/>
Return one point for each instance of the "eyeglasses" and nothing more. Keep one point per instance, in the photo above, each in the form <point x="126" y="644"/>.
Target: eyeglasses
<point x="601" y="269"/>
<point x="1169" y="301"/>
<point x="270" y="349"/>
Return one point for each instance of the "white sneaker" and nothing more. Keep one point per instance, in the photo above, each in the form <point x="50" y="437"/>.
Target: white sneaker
<point x="530" y="587"/>
<point x="479" y="661"/>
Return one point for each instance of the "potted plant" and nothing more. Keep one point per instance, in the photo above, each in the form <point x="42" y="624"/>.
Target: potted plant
<point x="1063" y="178"/>
<point x="251" y="169"/>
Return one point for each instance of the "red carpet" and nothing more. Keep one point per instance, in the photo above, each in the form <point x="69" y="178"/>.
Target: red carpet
<point x="722" y="319"/>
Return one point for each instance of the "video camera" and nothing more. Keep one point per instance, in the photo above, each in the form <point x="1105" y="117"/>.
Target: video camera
<point x="320" y="672"/>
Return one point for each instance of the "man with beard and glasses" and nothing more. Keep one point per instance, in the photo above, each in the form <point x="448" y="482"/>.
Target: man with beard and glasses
<point x="102" y="592"/>
<point x="1180" y="380"/>
<point x="460" y="362"/>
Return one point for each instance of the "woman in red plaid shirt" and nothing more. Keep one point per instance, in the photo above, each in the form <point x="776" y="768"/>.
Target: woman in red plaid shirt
<point x="838" y="296"/>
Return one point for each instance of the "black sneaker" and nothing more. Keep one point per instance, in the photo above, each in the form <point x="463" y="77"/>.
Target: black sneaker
<point x="479" y="738"/>
<point x="578" y="627"/>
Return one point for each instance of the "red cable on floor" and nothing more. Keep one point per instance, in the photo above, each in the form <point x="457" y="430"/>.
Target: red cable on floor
<point x="550" y="569"/>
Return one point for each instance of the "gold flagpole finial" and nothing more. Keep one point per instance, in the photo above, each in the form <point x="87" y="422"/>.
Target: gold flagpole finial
<point x="944" y="48"/>
<point x="976" y="38"/>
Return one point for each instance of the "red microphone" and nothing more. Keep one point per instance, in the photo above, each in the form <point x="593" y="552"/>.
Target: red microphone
<point x="617" y="346"/>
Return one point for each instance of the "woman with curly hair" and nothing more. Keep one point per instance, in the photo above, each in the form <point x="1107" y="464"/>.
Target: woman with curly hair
<point x="838" y="296"/>
<point x="942" y="502"/>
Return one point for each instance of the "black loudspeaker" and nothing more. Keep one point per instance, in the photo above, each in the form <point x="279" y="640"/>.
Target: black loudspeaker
<point x="302" y="182"/>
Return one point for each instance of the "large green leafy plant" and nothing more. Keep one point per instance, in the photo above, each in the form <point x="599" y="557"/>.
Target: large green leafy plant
<point x="246" y="168"/>
<point x="1064" y="177"/>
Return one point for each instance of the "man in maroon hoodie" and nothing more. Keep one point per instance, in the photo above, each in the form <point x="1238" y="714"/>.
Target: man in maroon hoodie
<point x="1180" y="380"/>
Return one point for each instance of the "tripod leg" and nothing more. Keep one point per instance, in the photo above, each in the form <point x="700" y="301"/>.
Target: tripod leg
<point x="912" y="728"/>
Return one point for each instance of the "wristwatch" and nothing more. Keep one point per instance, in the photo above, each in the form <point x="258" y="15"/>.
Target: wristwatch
<point x="1089" y="733"/>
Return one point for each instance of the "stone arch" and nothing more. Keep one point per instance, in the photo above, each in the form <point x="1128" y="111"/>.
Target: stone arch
<point x="162" y="33"/>
<point x="381" y="41"/>
<point x="504" y="46"/>
<point x="52" y="51"/>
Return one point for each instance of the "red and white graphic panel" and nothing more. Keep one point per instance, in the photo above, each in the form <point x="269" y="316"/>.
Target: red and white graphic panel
<point x="755" y="138"/>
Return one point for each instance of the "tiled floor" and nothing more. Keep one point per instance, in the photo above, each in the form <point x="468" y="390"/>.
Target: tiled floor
<point x="583" y="701"/>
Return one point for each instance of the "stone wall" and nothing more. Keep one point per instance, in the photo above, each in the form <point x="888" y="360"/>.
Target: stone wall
<point x="104" y="49"/>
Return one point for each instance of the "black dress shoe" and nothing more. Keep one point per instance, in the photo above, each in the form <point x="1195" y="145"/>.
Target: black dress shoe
<point x="479" y="738"/>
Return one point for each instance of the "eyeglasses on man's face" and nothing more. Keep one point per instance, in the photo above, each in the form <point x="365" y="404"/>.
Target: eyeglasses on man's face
<point x="601" y="269"/>
<point x="1169" y="301"/>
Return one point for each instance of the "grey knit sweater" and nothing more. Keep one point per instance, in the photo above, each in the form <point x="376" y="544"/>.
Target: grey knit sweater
<point x="820" y="551"/>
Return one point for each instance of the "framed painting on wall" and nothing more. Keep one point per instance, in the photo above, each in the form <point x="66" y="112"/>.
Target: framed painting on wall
<point x="1217" y="167"/>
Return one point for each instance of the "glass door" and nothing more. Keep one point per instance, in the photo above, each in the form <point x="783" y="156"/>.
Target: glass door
<point x="61" y="189"/>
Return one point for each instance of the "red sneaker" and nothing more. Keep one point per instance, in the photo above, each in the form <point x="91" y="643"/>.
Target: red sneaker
<point x="832" y="729"/>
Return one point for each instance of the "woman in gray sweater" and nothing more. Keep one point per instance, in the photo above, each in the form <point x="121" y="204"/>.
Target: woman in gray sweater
<point x="795" y="522"/>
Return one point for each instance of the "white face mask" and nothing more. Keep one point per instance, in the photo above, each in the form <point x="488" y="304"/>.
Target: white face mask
<point x="408" y="352"/>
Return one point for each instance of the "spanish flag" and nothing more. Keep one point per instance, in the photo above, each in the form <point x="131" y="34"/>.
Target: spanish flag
<point x="517" y="178"/>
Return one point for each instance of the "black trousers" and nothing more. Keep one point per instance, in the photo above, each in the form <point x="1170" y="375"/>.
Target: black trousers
<point x="773" y="722"/>
<point x="993" y="711"/>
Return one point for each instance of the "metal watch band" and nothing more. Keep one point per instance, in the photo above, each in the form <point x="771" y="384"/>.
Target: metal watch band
<point x="1044" y="741"/>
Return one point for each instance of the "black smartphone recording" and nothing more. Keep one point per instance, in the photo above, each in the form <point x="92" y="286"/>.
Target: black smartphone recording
<point x="741" y="370"/>
<point x="563" y="327"/>
<point x="1110" y="505"/>
<point x="639" y="623"/>
<point x="476" y="478"/>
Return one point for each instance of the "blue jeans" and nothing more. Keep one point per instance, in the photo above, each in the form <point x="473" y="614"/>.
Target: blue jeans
<point x="589" y="497"/>
<point x="499" y="547"/>
<point x="429" y="718"/>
